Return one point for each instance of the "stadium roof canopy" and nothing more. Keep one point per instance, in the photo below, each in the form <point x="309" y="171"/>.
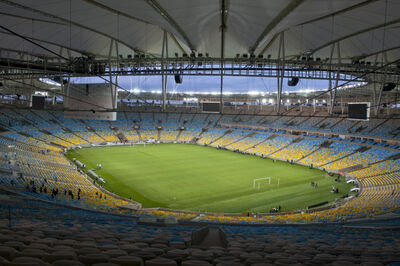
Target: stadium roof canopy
<point x="364" y="28"/>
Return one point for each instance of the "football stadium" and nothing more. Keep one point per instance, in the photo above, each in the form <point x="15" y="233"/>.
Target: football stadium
<point x="191" y="133"/>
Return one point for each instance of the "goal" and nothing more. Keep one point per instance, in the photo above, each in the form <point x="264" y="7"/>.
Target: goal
<point x="258" y="181"/>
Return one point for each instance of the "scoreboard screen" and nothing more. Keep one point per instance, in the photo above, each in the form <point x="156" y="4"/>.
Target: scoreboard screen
<point x="359" y="111"/>
<point x="210" y="107"/>
<point x="90" y="101"/>
<point x="38" y="102"/>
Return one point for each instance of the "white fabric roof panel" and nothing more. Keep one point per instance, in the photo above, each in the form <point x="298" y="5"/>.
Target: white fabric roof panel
<point x="248" y="19"/>
<point x="82" y="39"/>
<point x="306" y="11"/>
<point x="199" y="19"/>
<point x="138" y="25"/>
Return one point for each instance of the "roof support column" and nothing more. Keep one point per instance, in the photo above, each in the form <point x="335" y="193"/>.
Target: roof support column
<point x="59" y="63"/>
<point x="374" y="96"/>
<point x="115" y="95"/>
<point x="377" y="105"/>
<point x="280" y="70"/>
<point x="330" y="76"/>
<point x="113" y="86"/>
<point x="334" y="90"/>
<point x="342" y="104"/>
<point x="66" y="90"/>
<point x="314" y="105"/>
<point x="164" y="54"/>
<point x="222" y="29"/>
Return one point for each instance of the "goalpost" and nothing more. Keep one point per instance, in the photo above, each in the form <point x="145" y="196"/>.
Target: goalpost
<point x="266" y="180"/>
<point x="258" y="181"/>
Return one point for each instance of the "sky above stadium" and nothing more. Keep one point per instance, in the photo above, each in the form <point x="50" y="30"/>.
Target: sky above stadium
<point x="210" y="84"/>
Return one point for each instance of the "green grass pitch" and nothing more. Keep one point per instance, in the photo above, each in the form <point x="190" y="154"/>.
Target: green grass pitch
<point x="198" y="178"/>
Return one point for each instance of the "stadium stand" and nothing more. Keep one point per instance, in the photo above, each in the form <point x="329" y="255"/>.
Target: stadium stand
<point x="39" y="169"/>
<point x="45" y="234"/>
